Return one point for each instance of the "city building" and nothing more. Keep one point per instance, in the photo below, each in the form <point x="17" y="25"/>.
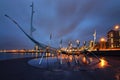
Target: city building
<point x="91" y="43"/>
<point x="36" y="47"/>
<point x="113" y="38"/>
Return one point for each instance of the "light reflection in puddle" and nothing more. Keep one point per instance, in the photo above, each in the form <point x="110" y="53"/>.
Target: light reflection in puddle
<point x="87" y="62"/>
<point x="103" y="63"/>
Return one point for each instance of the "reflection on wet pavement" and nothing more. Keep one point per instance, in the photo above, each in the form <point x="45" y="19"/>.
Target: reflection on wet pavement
<point x="71" y="62"/>
<point x="103" y="63"/>
<point x="88" y="68"/>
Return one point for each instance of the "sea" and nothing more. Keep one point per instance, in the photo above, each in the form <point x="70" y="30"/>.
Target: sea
<point x="8" y="56"/>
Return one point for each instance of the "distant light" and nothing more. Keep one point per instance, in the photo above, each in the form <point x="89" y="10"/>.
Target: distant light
<point x="77" y="41"/>
<point x="116" y="27"/>
<point x="102" y="39"/>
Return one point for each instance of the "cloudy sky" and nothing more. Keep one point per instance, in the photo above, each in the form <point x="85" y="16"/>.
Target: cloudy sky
<point x="65" y="19"/>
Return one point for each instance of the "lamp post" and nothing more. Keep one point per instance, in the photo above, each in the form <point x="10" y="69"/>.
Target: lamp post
<point x="78" y="43"/>
<point x="102" y="43"/>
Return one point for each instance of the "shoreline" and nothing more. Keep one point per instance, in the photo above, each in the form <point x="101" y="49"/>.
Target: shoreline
<point x="98" y="52"/>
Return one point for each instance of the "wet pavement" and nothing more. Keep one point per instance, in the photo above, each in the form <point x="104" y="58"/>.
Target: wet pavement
<point x="19" y="69"/>
<point x="107" y="69"/>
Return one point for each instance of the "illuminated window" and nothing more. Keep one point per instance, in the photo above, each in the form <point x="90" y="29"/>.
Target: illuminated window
<point x="111" y="35"/>
<point x="112" y="46"/>
<point x="111" y="40"/>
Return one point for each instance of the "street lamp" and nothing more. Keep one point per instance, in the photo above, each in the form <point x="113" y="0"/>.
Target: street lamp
<point x="84" y="43"/>
<point x="102" y="43"/>
<point x="117" y="27"/>
<point x="78" y="43"/>
<point x="70" y="44"/>
<point x="102" y="39"/>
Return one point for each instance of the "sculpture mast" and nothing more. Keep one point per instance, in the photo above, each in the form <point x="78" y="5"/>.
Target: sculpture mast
<point x="94" y="35"/>
<point x="32" y="28"/>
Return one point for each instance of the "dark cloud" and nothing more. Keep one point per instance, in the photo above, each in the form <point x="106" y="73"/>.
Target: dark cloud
<point x="77" y="18"/>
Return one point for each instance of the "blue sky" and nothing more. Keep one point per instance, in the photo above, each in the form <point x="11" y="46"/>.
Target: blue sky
<point x="66" y="19"/>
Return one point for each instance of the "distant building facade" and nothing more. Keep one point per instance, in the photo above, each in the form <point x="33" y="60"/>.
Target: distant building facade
<point x="113" y="39"/>
<point x="91" y="44"/>
<point x="36" y="47"/>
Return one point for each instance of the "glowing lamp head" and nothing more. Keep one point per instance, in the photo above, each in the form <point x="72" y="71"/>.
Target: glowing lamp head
<point x="116" y="27"/>
<point x="77" y="41"/>
<point x="102" y="39"/>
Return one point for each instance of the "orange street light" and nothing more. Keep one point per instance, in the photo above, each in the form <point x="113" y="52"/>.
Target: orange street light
<point x="102" y="43"/>
<point x="116" y="27"/>
<point x="102" y="39"/>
